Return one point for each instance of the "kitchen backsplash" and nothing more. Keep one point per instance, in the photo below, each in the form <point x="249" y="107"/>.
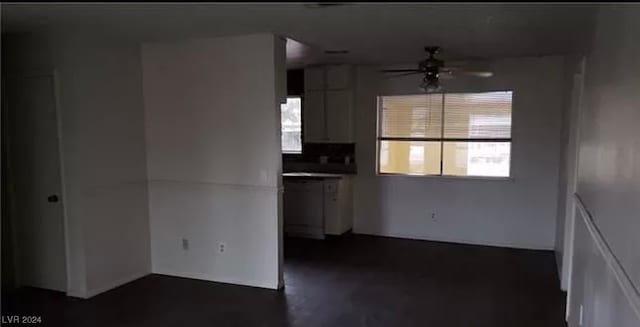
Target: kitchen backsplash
<point x="322" y="157"/>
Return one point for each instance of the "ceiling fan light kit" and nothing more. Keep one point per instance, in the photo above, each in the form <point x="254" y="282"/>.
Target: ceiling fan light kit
<point x="430" y="86"/>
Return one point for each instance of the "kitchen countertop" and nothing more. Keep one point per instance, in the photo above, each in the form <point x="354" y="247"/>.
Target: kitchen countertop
<point x="331" y="167"/>
<point x="313" y="175"/>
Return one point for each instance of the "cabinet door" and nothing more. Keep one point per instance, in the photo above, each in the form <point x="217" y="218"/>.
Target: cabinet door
<point x="313" y="115"/>
<point x="345" y="200"/>
<point x="293" y="207"/>
<point x="314" y="78"/>
<point x="303" y="204"/>
<point x="332" y="218"/>
<point x="338" y="77"/>
<point x="339" y="116"/>
<point x="303" y="208"/>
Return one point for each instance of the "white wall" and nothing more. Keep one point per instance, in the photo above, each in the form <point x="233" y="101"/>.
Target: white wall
<point x="104" y="157"/>
<point x="515" y="213"/>
<point x="214" y="163"/>
<point x="599" y="284"/>
<point x="103" y="153"/>
<point x="609" y="177"/>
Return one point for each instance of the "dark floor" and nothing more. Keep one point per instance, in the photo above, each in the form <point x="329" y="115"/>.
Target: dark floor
<point x="348" y="281"/>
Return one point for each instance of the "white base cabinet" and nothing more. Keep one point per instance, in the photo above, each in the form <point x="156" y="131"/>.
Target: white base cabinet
<point x="338" y="206"/>
<point x="314" y="208"/>
<point x="304" y="208"/>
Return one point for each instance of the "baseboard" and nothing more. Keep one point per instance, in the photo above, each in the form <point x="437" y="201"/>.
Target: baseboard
<point x="117" y="283"/>
<point x="273" y="285"/>
<point x="459" y="241"/>
<point x="628" y="288"/>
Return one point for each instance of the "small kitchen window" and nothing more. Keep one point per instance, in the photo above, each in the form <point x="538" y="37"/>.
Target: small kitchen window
<point x="291" y="122"/>
<point x="452" y="134"/>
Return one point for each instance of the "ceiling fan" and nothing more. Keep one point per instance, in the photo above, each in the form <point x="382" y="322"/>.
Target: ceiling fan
<point x="434" y="69"/>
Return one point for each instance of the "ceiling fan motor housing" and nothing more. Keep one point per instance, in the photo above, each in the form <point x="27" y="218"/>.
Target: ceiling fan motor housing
<point x="431" y="68"/>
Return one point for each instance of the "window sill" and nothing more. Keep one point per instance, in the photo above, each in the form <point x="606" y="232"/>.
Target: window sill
<point x="451" y="177"/>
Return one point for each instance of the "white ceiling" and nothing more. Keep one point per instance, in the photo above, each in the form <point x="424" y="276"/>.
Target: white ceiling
<point x="372" y="32"/>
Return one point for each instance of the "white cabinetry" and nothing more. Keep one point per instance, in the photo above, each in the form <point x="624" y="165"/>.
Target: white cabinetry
<point x="338" y="206"/>
<point x="338" y="115"/>
<point x="314" y="78"/>
<point x="314" y="117"/>
<point x="315" y="207"/>
<point x="338" y="77"/>
<point x="304" y="208"/>
<point x="329" y="104"/>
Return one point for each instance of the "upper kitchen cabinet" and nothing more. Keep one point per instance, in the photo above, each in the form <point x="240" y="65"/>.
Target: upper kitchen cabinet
<point x="338" y="77"/>
<point x="339" y="112"/>
<point x="314" y="117"/>
<point x="328" y="104"/>
<point x="314" y="78"/>
<point x="328" y="77"/>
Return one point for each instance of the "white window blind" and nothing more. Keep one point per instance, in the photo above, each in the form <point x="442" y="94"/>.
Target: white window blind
<point x="412" y="116"/>
<point x="477" y="115"/>
<point x="460" y="134"/>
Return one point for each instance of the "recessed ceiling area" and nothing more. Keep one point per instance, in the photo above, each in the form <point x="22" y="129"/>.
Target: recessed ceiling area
<point x="372" y="33"/>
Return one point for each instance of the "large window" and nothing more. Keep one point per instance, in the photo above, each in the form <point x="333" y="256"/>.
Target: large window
<point x="452" y="134"/>
<point x="291" y="120"/>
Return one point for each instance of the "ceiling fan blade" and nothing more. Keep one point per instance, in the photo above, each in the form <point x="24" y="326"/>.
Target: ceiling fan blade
<point x="402" y="71"/>
<point x="403" y="74"/>
<point x="455" y="71"/>
<point x="483" y="74"/>
<point x="460" y="63"/>
<point x="446" y="75"/>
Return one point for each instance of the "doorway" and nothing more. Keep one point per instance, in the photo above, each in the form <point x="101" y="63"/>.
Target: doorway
<point x="35" y="209"/>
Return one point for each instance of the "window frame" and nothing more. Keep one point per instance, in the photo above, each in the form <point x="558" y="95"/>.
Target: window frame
<point x="442" y="140"/>
<point x="295" y="154"/>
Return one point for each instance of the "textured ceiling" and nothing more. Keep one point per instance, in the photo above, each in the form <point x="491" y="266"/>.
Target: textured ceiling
<point x="373" y="33"/>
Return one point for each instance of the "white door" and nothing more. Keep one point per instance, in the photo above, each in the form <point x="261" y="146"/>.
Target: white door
<point x="37" y="218"/>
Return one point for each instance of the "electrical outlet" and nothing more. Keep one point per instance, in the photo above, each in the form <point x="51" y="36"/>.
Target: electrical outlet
<point x="185" y="244"/>
<point x="433" y="216"/>
<point x="221" y="247"/>
<point x="580" y="318"/>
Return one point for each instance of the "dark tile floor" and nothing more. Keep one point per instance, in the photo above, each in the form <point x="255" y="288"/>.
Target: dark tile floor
<point x="347" y="281"/>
